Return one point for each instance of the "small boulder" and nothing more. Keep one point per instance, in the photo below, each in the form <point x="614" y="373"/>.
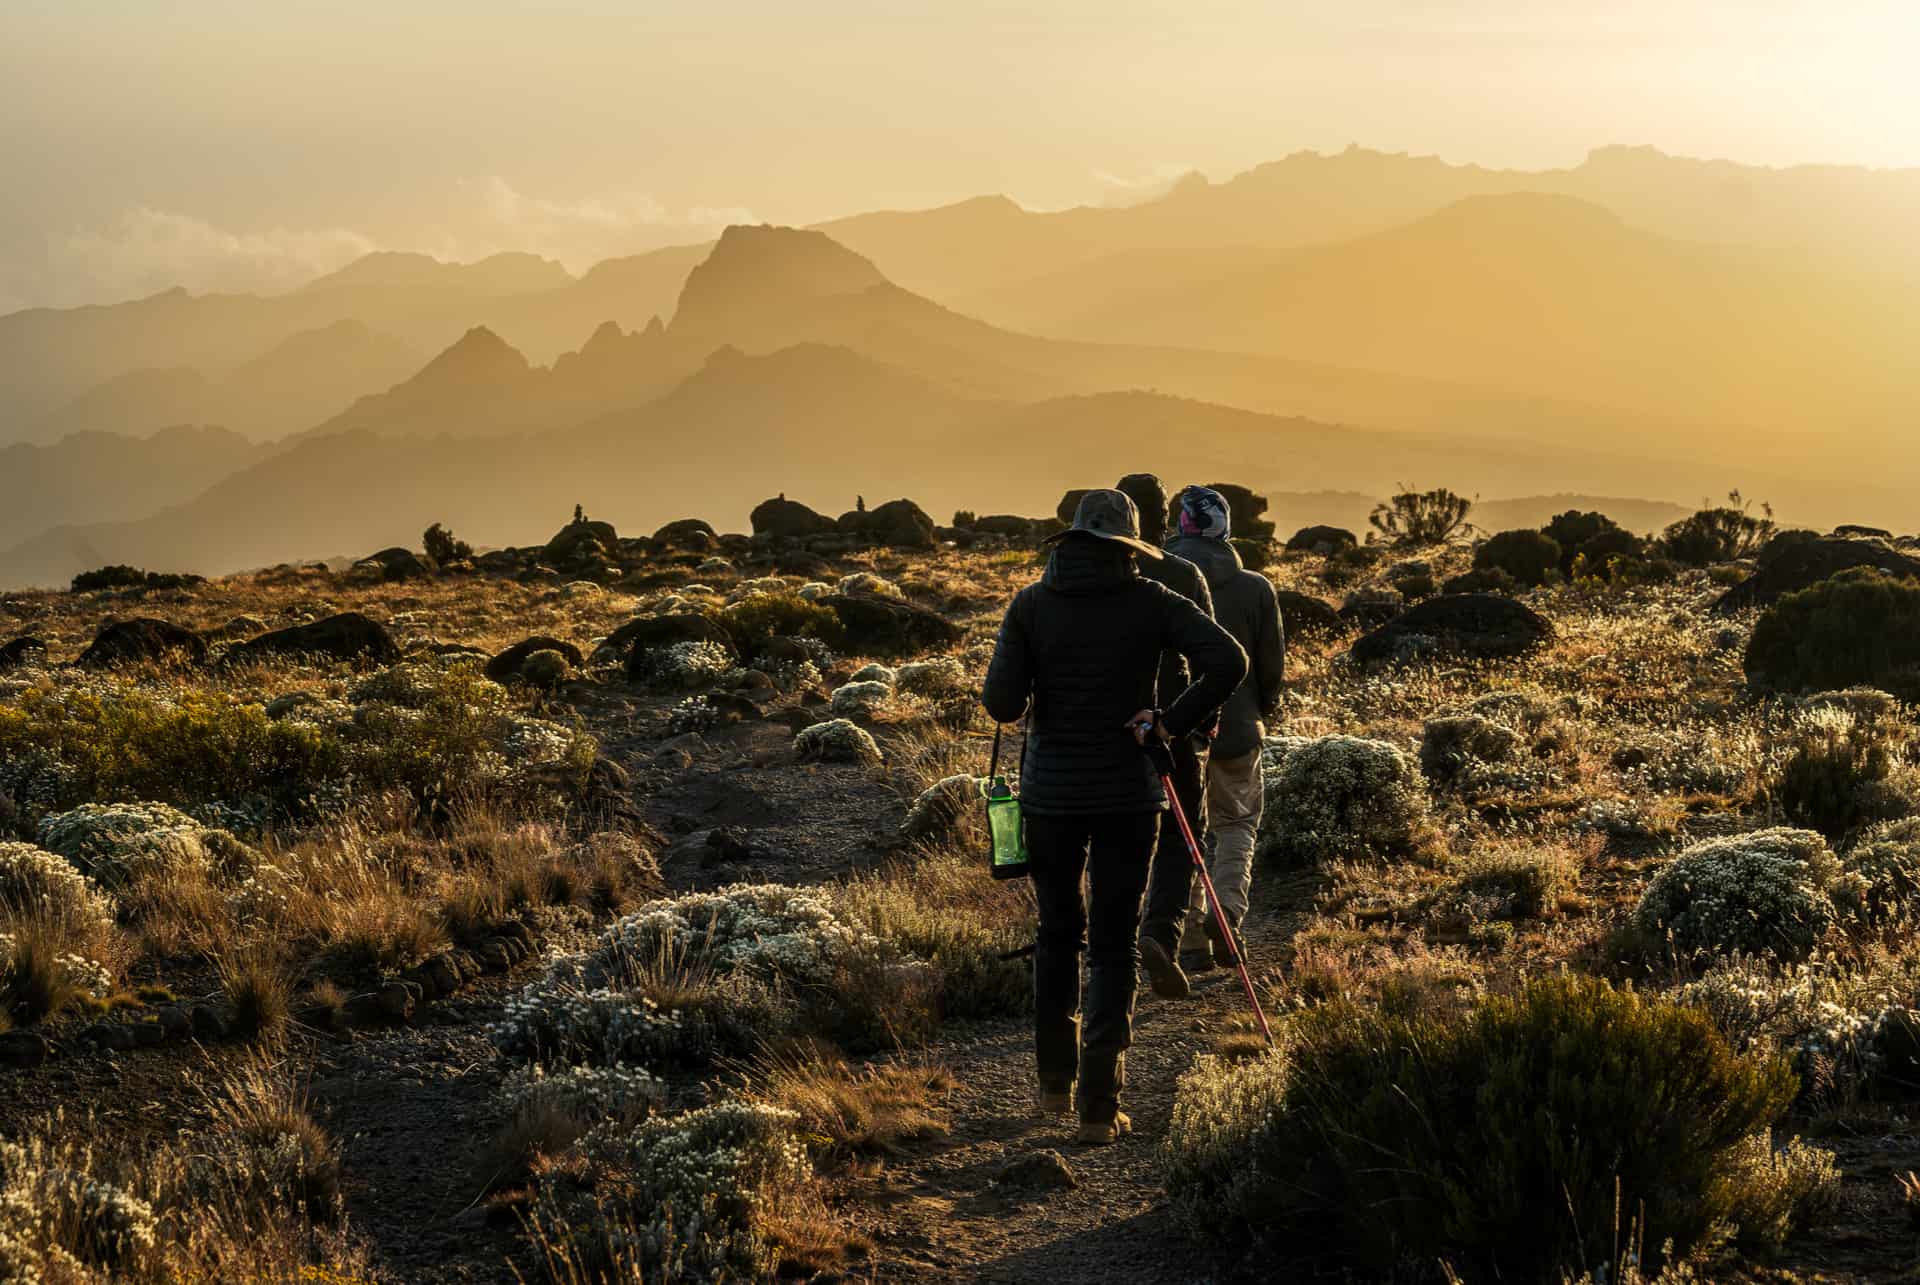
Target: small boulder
<point x="782" y="518"/>
<point x="577" y="540"/>
<point x="347" y="636"/>
<point x="510" y="663"/>
<point x="393" y="564"/>
<point x="1322" y="540"/>
<point x="1304" y="616"/>
<point x="1475" y="626"/>
<point x="18" y="651"/>
<point x="125" y="641"/>
<point x="687" y="533"/>
<point x="1037" y="1173"/>
<point x="899" y="524"/>
<point x="1799" y="560"/>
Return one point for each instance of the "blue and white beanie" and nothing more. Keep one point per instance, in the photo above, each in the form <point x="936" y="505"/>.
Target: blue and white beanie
<point x="1204" y="512"/>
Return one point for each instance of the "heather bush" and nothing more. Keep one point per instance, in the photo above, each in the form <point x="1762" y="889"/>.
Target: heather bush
<point x="1718" y="534"/>
<point x="942" y="676"/>
<point x="1860" y="627"/>
<point x="1887" y="860"/>
<point x="34" y="881"/>
<point x="759" y="617"/>
<point x="1342" y="796"/>
<point x="1770" y="893"/>
<point x="1840" y="773"/>
<point x="836" y="741"/>
<point x="1421" y="517"/>
<point x="1530" y="557"/>
<point x="1508" y="1141"/>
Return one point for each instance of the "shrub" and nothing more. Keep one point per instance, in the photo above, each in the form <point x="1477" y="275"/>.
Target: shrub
<point x="1512" y="1139"/>
<point x="756" y="619"/>
<point x="942" y="676"/>
<point x="836" y="741"/>
<point x="35" y="881"/>
<point x="1421" y="517"/>
<point x="1860" y="627"/>
<point x="190" y="748"/>
<point x="121" y="576"/>
<point x="1487" y="580"/>
<point x="1342" y="796"/>
<point x="1838" y="773"/>
<point x="1574" y="528"/>
<point x="1887" y="860"/>
<point x="1458" y="748"/>
<point x="861" y="699"/>
<point x="1528" y="556"/>
<point x="1498" y="885"/>
<point x="1718" y="534"/>
<point x="443" y="547"/>
<point x="941" y="808"/>
<point x="116" y="842"/>
<point x="1609" y="555"/>
<point x="1765" y="893"/>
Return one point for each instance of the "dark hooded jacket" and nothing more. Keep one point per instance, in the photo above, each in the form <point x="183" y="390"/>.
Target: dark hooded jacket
<point x="1083" y="645"/>
<point x="1245" y="606"/>
<point x="1150" y="500"/>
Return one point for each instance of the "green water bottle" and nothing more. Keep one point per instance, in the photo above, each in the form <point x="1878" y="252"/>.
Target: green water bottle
<point x="1008" y="831"/>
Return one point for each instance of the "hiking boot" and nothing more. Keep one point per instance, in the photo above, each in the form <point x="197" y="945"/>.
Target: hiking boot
<point x="1104" y="1133"/>
<point x="1162" y="970"/>
<point x="1225" y="946"/>
<point x="1195" y="962"/>
<point x="1056" y="1101"/>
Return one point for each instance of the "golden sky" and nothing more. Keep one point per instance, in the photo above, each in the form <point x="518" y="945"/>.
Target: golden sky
<point x="252" y="143"/>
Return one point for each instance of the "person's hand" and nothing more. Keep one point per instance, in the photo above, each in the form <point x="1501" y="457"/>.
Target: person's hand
<point x="1145" y="724"/>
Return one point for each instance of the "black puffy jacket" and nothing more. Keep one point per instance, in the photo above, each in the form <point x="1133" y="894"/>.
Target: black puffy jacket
<point x="1083" y="645"/>
<point x="1185" y="579"/>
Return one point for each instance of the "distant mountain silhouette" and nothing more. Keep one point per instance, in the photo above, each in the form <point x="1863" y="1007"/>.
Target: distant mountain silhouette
<point x="98" y="477"/>
<point x="500" y="274"/>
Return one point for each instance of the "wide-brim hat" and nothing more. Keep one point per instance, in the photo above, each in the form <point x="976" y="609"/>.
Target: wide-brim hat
<point x="1108" y="515"/>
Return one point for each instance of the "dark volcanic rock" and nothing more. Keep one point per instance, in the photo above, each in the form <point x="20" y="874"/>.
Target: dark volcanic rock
<point x="347" y="636"/>
<point x="18" y="651"/>
<point x="1799" y="560"/>
<point x="394" y="564"/>
<point x="142" y="639"/>
<point x="580" y="539"/>
<point x="1011" y="525"/>
<point x="1476" y="626"/>
<point x="1322" y="540"/>
<point x="884" y="627"/>
<point x="788" y="519"/>
<point x="899" y="524"/>
<point x="507" y="664"/>
<point x="686" y="533"/>
<point x="1069" y="505"/>
<point x="648" y="632"/>
<point x="1305" y="616"/>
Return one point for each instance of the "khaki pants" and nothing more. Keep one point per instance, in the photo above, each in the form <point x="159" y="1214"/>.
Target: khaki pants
<point x="1234" y="799"/>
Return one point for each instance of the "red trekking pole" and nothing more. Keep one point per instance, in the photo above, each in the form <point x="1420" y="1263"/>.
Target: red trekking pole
<point x="1162" y="759"/>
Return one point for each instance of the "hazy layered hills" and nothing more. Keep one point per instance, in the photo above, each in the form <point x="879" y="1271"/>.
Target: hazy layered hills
<point x="93" y="477"/>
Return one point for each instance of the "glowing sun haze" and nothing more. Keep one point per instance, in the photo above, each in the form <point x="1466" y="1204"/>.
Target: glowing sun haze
<point x="235" y="144"/>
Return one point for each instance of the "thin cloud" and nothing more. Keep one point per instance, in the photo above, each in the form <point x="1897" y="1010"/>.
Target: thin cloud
<point x="148" y="250"/>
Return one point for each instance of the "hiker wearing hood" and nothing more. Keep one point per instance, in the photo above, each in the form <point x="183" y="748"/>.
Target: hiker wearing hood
<point x="1079" y="654"/>
<point x="1245" y="606"/>
<point x="1170" y="885"/>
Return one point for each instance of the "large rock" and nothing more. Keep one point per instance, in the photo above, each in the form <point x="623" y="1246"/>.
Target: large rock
<point x="1323" y="540"/>
<point x="888" y="627"/>
<point x="899" y="524"/>
<point x="1069" y="505"/>
<point x="686" y="533"/>
<point x="1799" y="560"/>
<point x="1476" y="626"/>
<point x="582" y="539"/>
<point x="347" y="636"/>
<point x="507" y="664"/>
<point x="1245" y="509"/>
<point x="663" y="631"/>
<point x="18" y="651"/>
<point x="144" y="638"/>
<point x="1010" y="525"/>
<point x="394" y="564"/>
<point x="788" y="519"/>
<point x="1305" y="616"/>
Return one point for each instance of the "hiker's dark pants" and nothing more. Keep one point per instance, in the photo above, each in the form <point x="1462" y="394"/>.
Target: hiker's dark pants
<point x="1114" y="851"/>
<point x="1171" y="887"/>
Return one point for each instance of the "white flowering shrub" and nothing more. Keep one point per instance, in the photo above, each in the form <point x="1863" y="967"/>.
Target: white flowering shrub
<point x="942" y="676"/>
<point x="1887" y="861"/>
<point x="702" y="1185"/>
<point x="692" y="714"/>
<point x="55" y="1218"/>
<point x="536" y="741"/>
<point x="114" y="842"/>
<point x="1823" y="1019"/>
<point x="942" y="808"/>
<point x="1769" y="893"/>
<point x="769" y="930"/>
<point x="813" y="589"/>
<point x="1343" y="796"/>
<point x="1688" y="760"/>
<point x="861" y="699"/>
<point x="868" y="582"/>
<point x="685" y="664"/>
<point x="873" y="672"/>
<point x="758" y="586"/>
<point x="836" y="741"/>
<point x="35" y="881"/>
<point x="585" y="1094"/>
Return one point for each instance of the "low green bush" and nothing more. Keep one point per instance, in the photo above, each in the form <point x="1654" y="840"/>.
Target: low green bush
<point x="1515" y="1143"/>
<point x="1839" y="773"/>
<point x="1530" y="557"/>
<point x="1860" y="627"/>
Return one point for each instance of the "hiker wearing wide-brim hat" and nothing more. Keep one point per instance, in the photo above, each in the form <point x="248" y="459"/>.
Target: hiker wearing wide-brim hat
<point x="1078" y="654"/>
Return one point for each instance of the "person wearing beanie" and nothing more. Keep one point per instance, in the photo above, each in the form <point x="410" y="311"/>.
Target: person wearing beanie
<point x="1079" y="654"/>
<point x="1170" y="886"/>
<point x="1246" y="607"/>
